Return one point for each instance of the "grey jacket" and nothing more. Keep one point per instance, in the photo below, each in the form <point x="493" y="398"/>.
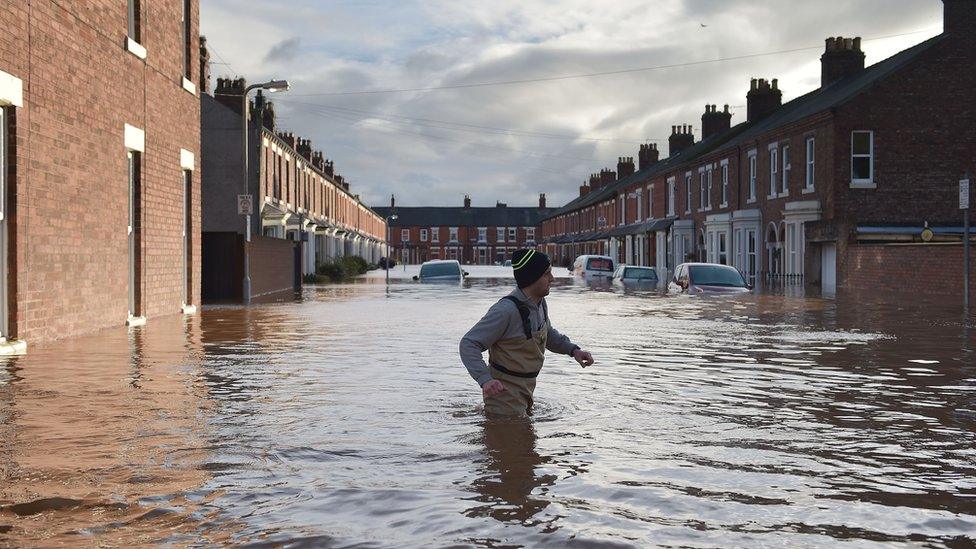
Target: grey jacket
<point x="502" y="321"/>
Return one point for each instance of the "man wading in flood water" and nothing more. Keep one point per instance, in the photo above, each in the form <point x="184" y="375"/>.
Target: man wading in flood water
<point x="516" y="333"/>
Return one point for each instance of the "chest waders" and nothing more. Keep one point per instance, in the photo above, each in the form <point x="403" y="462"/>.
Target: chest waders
<point x="516" y="362"/>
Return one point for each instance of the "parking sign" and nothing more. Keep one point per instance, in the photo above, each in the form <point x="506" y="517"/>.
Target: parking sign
<point x="964" y="194"/>
<point x="244" y="204"/>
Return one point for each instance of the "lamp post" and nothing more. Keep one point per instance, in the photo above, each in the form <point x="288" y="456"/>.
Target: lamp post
<point x="389" y="218"/>
<point x="272" y="87"/>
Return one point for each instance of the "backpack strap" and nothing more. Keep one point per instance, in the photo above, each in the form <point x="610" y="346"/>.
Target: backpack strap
<point x="524" y="313"/>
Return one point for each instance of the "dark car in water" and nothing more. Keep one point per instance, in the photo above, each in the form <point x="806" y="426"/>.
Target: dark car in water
<point x="707" y="278"/>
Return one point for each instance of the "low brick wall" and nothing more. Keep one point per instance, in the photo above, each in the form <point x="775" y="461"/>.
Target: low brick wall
<point x="273" y="265"/>
<point x="918" y="270"/>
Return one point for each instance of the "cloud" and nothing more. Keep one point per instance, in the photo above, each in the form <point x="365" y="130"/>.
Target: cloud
<point x="283" y="51"/>
<point x="433" y="147"/>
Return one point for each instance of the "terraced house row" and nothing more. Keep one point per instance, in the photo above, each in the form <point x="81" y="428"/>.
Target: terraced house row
<point x="304" y="212"/>
<point x="99" y="165"/>
<point x="832" y="189"/>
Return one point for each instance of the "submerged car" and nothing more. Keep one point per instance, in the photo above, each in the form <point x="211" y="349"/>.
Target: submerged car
<point x="593" y="267"/>
<point x="707" y="278"/>
<point x="633" y="275"/>
<point x="446" y="270"/>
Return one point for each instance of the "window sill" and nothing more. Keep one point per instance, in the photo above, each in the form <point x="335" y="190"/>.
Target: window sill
<point x="750" y="201"/>
<point x="863" y="184"/>
<point x="809" y="190"/>
<point x="135" y="48"/>
<point x="190" y="87"/>
<point x="723" y="205"/>
<point x="783" y="195"/>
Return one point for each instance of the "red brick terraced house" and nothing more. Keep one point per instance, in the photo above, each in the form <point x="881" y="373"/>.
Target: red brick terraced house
<point x="304" y="212"/>
<point x="832" y="190"/>
<point x="99" y="165"/>
<point x="471" y="235"/>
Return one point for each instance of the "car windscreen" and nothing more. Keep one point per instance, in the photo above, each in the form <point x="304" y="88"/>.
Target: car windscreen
<point x="639" y="274"/>
<point x="440" y="269"/>
<point x="711" y="275"/>
<point x="599" y="264"/>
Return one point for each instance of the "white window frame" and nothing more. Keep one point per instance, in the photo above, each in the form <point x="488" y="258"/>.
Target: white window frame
<point x="869" y="182"/>
<point x="404" y="235"/>
<point x="640" y="205"/>
<point x="787" y="168"/>
<point x="753" y="168"/>
<point x="435" y="234"/>
<point x="423" y="235"/>
<point x="773" y="171"/>
<point x="702" y="199"/>
<point x="453" y="234"/>
<point x="672" y="196"/>
<point x="650" y="202"/>
<point x="513" y="234"/>
<point x="811" y="165"/>
<point x="499" y="234"/>
<point x="709" y="177"/>
<point x="482" y="234"/>
<point x="623" y="210"/>
<point x="725" y="184"/>
<point x="530" y="234"/>
<point x="688" y="192"/>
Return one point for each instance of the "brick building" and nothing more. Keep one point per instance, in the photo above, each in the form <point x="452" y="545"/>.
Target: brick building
<point x="302" y="205"/>
<point x="100" y="134"/>
<point x="476" y="236"/>
<point x="805" y="191"/>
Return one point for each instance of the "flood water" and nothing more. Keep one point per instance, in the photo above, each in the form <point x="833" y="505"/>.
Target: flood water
<point x="346" y="420"/>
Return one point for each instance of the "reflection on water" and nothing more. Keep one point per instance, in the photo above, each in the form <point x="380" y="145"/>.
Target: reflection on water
<point x="346" y="419"/>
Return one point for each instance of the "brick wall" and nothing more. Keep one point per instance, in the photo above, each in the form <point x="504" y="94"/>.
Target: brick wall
<point x="69" y="191"/>
<point x="267" y="257"/>
<point x="930" y="270"/>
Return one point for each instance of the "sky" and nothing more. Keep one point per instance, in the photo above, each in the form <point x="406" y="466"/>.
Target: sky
<point x="510" y="142"/>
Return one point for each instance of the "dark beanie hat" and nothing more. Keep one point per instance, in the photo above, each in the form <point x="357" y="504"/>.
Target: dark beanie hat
<point x="529" y="266"/>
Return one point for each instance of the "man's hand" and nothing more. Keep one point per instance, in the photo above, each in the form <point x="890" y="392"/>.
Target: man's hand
<point x="493" y="388"/>
<point x="583" y="357"/>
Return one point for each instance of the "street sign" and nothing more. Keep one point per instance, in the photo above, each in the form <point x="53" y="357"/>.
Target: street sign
<point x="245" y="206"/>
<point x="964" y="194"/>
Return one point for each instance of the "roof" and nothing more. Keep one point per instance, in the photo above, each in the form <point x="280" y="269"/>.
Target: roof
<point x="434" y="216"/>
<point x="819" y="100"/>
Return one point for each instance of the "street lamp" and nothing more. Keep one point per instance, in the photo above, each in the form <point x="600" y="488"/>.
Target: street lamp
<point x="389" y="218"/>
<point x="272" y="87"/>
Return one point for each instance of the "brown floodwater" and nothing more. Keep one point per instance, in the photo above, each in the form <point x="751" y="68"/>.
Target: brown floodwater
<point x="346" y="420"/>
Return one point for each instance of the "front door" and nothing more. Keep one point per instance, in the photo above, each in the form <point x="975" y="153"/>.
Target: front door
<point x="3" y="223"/>
<point x="828" y="268"/>
<point x="131" y="230"/>
<point x="187" y="248"/>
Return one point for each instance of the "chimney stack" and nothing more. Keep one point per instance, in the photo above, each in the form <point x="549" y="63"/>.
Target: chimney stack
<point x="289" y="139"/>
<point x="392" y="201"/>
<point x="230" y="93"/>
<point x="842" y="58"/>
<point x="648" y="155"/>
<point x="318" y="161"/>
<point x="607" y="177"/>
<point x="467" y="202"/>
<point x="763" y="98"/>
<point x="681" y="138"/>
<point x="715" y="122"/>
<point x="204" y="66"/>
<point x="959" y="17"/>
<point x="625" y="166"/>
<point x="304" y="149"/>
<point x="542" y="201"/>
<point x="329" y="169"/>
<point x="584" y="189"/>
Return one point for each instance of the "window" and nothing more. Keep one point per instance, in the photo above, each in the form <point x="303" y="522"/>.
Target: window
<point x="512" y="234"/>
<point x="500" y="234"/>
<point x="187" y="42"/>
<point x="640" y="205"/>
<point x="530" y="234"/>
<point x="688" y="193"/>
<point x="752" y="177"/>
<point x="811" y="157"/>
<point x="453" y="236"/>
<point x="482" y="234"/>
<point x="785" y="189"/>
<point x="423" y="235"/>
<point x="708" y="190"/>
<point x="862" y="159"/>
<point x="672" y="196"/>
<point x="623" y="210"/>
<point x="435" y="234"/>
<point x="650" y="202"/>
<point x="723" y="248"/>
<point x="404" y="235"/>
<point x="702" y="193"/>
<point x="773" y="172"/>
<point x="725" y="185"/>
<point x="134" y="30"/>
